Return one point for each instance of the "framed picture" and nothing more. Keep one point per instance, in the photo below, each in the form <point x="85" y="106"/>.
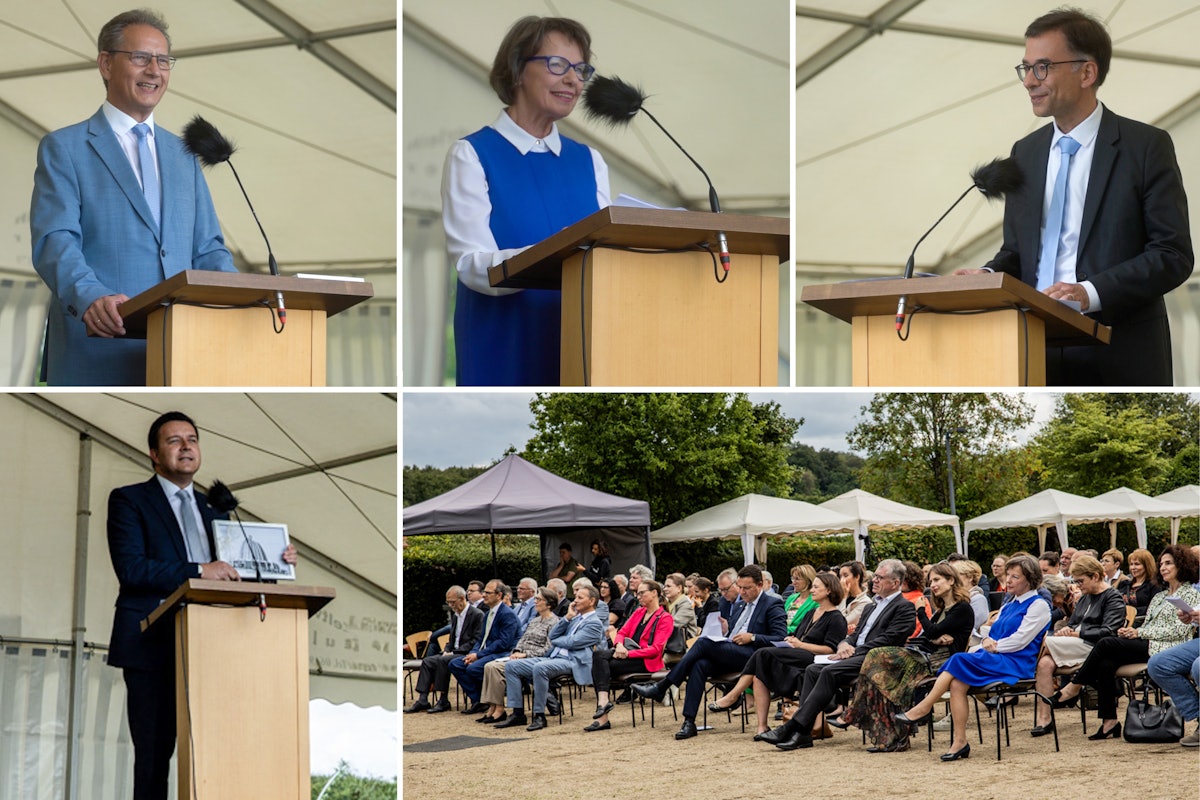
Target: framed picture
<point x="244" y="545"/>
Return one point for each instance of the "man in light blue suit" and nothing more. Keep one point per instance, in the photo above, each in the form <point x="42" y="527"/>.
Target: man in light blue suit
<point x="571" y="644"/>
<point x="118" y="206"/>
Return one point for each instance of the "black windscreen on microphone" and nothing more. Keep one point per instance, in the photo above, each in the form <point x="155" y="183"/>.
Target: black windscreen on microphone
<point x="221" y="498"/>
<point x="206" y="143"/>
<point x="612" y="100"/>
<point x="998" y="177"/>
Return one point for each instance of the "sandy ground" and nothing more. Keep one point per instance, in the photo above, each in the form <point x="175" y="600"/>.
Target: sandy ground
<point x="564" y="762"/>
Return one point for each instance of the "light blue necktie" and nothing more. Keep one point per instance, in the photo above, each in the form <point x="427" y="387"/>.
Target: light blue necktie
<point x="197" y="548"/>
<point x="149" y="171"/>
<point x="1054" y="217"/>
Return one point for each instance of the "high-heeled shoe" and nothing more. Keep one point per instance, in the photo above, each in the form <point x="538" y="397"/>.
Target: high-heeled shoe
<point x="1057" y="702"/>
<point x="1112" y="733"/>
<point x="839" y="723"/>
<point x="904" y="719"/>
<point x="965" y="752"/>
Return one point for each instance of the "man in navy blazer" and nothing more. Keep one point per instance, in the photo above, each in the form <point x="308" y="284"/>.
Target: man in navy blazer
<point x="1125" y="239"/>
<point x="757" y="622"/>
<point x="499" y="636"/>
<point x="887" y="622"/>
<point x="96" y="240"/>
<point x="152" y="557"/>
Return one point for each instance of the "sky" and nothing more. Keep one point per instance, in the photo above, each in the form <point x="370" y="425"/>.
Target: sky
<point x="365" y="738"/>
<point x="461" y="428"/>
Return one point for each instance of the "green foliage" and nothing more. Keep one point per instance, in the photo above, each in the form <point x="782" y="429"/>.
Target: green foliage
<point x="680" y="452"/>
<point x="823" y="475"/>
<point x="432" y="564"/>
<point x="922" y="545"/>
<point x="423" y="483"/>
<point x="1096" y="443"/>
<point x="785" y="553"/>
<point x="349" y="786"/>
<point x="904" y="437"/>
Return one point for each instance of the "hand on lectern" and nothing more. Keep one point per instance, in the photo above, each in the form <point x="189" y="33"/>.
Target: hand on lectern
<point x="102" y="319"/>
<point x="219" y="571"/>
<point x="969" y="271"/>
<point x="1068" y="291"/>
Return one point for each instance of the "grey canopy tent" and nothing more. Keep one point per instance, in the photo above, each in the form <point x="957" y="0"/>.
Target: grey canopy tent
<point x="518" y="497"/>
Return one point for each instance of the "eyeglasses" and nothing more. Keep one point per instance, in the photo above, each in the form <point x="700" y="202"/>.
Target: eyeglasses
<point x="1042" y="68"/>
<point x="559" y="66"/>
<point x="141" y="58"/>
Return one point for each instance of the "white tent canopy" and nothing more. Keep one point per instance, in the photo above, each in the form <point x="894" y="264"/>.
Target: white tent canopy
<point x="875" y="513"/>
<point x="1189" y="497"/>
<point x="305" y="88"/>
<point x="325" y="464"/>
<point x="1142" y="507"/>
<point x="752" y="519"/>
<point x="1048" y="509"/>
<point x="897" y="100"/>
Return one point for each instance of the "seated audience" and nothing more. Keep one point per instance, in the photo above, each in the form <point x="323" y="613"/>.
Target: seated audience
<point x="800" y="601"/>
<point x="497" y="640"/>
<point x="466" y="625"/>
<point x="1111" y="561"/>
<point x="535" y="641"/>
<point x="703" y="600"/>
<point x="616" y="606"/>
<point x="997" y="581"/>
<point x="1048" y="561"/>
<point x="1143" y="581"/>
<point x="1161" y="630"/>
<point x="1171" y="669"/>
<point x="559" y="587"/>
<point x="638" y="647"/>
<point x="854" y="597"/>
<point x="524" y="607"/>
<point x="679" y="605"/>
<point x="1099" y="612"/>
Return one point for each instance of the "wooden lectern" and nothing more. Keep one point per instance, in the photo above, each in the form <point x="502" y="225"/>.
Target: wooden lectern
<point x="241" y="687"/>
<point x="633" y="318"/>
<point x="987" y="329"/>
<point x="205" y="328"/>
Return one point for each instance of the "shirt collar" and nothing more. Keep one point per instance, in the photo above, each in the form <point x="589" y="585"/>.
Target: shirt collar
<point x="122" y="123"/>
<point x="1027" y="595"/>
<point x="170" y="489"/>
<point x="523" y="140"/>
<point x="1085" y="132"/>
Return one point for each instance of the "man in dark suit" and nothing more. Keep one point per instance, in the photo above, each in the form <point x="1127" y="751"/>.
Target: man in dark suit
<point x="466" y="626"/>
<point x="757" y="623"/>
<point x="887" y="622"/>
<point x="498" y="639"/>
<point x="159" y="536"/>
<point x="1124" y="239"/>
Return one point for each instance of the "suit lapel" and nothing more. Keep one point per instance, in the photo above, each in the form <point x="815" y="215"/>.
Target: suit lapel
<point x="104" y="143"/>
<point x="1103" y="159"/>
<point x="1031" y="220"/>
<point x="157" y="501"/>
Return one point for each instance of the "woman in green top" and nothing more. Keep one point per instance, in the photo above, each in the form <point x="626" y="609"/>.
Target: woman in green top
<point x="800" y="602"/>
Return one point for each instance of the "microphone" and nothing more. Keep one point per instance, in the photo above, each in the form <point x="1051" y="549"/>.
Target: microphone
<point x="994" y="180"/>
<point x="205" y="142"/>
<point x="615" y="102"/>
<point x="222" y="499"/>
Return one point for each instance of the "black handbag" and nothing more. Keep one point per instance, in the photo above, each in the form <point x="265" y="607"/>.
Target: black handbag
<point x="677" y="644"/>
<point x="1146" y="723"/>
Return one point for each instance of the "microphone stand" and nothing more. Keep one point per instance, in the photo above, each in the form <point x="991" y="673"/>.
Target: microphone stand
<point x="908" y="266"/>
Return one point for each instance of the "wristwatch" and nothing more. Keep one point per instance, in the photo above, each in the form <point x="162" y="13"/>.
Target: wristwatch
<point x="199" y="570"/>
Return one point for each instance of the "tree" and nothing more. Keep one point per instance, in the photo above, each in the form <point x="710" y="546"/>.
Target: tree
<point x="903" y="435"/>
<point x="680" y="452"/>
<point x="422" y="483"/>
<point x="1094" y="445"/>
<point x="822" y="475"/>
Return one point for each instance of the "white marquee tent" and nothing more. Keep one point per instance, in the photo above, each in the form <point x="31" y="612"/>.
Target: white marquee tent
<point x="897" y="100"/>
<point x="1048" y="509"/>
<point x="875" y="513"/>
<point x="324" y="464"/>
<point x="1189" y="497"/>
<point x="752" y="519"/>
<point x="719" y="79"/>
<point x="307" y="90"/>
<point x="1142" y="507"/>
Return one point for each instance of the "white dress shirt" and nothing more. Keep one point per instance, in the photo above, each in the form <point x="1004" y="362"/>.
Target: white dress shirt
<point x="122" y="125"/>
<point x="467" y="209"/>
<point x="1077" y="184"/>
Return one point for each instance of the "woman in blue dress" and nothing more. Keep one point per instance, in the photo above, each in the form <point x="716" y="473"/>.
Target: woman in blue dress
<point x="508" y="186"/>
<point x="1008" y="654"/>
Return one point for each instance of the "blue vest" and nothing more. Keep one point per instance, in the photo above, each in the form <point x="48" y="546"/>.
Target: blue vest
<point x="514" y="340"/>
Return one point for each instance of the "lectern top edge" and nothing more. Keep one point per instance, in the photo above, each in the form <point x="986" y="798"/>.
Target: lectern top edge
<point x="242" y="593"/>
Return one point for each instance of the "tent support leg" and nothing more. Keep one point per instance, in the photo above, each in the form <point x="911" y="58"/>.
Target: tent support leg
<point x="83" y="514"/>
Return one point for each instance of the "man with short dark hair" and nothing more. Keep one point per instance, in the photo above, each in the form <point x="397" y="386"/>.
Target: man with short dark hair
<point x="466" y="625"/>
<point x="118" y="206"/>
<point x="497" y="639"/>
<point x="1048" y="561"/>
<point x="758" y="622"/>
<point x="1101" y="219"/>
<point x="159" y="536"/>
<point x="887" y="622"/>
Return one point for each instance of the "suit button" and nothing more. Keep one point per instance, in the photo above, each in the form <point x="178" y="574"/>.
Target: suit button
<point x="162" y="253"/>
<point x="72" y="310"/>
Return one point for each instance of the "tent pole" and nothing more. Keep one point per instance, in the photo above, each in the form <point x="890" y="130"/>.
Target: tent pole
<point x="83" y="514"/>
<point x="495" y="572"/>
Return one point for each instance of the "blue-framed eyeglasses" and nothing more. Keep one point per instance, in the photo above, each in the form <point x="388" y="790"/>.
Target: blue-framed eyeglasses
<point x="559" y="66"/>
<point x="1041" y="69"/>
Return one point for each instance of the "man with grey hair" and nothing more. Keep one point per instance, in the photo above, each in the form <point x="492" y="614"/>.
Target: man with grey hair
<point x="571" y="643"/>
<point x="466" y="625"/>
<point x="498" y="638"/>
<point x="526" y="589"/>
<point x="887" y="622"/>
<point x="119" y="205"/>
<point x="1064" y="561"/>
<point x="560" y="588"/>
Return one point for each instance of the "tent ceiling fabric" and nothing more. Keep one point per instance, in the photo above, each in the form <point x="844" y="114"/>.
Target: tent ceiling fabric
<point x="344" y="521"/>
<point x="887" y="134"/>
<point x="316" y="151"/>
<point x="715" y="72"/>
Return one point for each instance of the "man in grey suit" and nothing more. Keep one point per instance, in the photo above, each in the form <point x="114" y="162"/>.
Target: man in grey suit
<point x="571" y="643"/>
<point x="887" y="622"/>
<point x="118" y="206"/>
<point x="1112" y="235"/>
<point x="466" y="624"/>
